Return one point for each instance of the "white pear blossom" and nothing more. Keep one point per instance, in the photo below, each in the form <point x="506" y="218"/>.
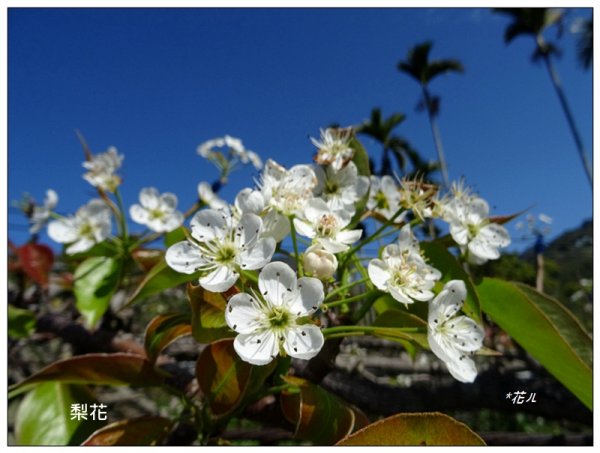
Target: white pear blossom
<point x="419" y="196"/>
<point x="402" y="271"/>
<point x="319" y="263"/>
<point x="472" y="229"/>
<point x="453" y="338"/>
<point x="275" y="225"/>
<point x="212" y="200"/>
<point x="384" y="198"/>
<point x="236" y="152"/>
<point x="41" y="214"/>
<point x="326" y="226"/>
<point x="101" y="170"/>
<point x="341" y="189"/>
<point x="220" y="248"/>
<point x="334" y="147"/>
<point x="158" y="212"/>
<point x="90" y="225"/>
<point x="275" y="320"/>
<point x="287" y="190"/>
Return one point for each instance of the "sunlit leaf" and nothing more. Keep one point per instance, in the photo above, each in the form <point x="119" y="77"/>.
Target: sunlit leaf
<point x="99" y="369"/>
<point x="318" y="415"/>
<point x="95" y="282"/>
<point x="142" y="431"/>
<point x="158" y="279"/>
<point x="175" y="236"/>
<point x="36" y="261"/>
<point x="545" y="329"/>
<point x="208" y="313"/>
<point x="163" y="330"/>
<point x="21" y="322"/>
<point x="44" y="416"/>
<point x="414" y="429"/>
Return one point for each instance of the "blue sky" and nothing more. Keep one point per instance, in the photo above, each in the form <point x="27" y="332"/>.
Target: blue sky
<point x="155" y="83"/>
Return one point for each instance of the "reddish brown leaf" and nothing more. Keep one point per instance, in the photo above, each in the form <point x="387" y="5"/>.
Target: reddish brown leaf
<point x="36" y="261"/>
<point x="414" y="429"/>
<point x="142" y="431"/>
<point x="208" y="313"/>
<point x="98" y="369"/>
<point x="163" y="330"/>
<point x="318" y="415"/>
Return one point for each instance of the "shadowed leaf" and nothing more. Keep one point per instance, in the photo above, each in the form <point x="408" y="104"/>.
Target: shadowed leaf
<point x="98" y="369"/>
<point x="21" y="322"/>
<point x="142" y="431"/>
<point x="164" y="330"/>
<point x="208" y="313"/>
<point x="318" y="415"/>
<point x="36" y="261"/>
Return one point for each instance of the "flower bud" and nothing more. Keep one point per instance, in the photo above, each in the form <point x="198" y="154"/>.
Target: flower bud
<point x="319" y="263"/>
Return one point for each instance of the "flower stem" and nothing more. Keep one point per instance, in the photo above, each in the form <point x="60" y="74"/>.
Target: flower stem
<point x="122" y="219"/>
<point x="295" y="243"/>
<point x="348" y="300"/>
<point x="343" y="288"/>
<point x="337" y="331"/>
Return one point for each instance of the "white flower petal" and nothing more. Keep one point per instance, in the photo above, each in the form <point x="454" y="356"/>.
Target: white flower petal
<point x="399" y="295"/>
<point x="495" y="235"/>
<point x="315" y="209"/>
<point x="483" y="249"/>
<point x="259" y="255"/>
<point x="243" y="313"/>
<point x="258" y="348"/>
<point x="247" y="230"/>
<point x="249" y="200"/>
<point x="275" y="281"/>
<point x="219" y="280"/>
<point x="303" y="342"/>
<point x="62" y="231"/>
<point x="348" y="236"/>
<point x="184" y="257"/>
<point x="332" y="246"/>
<point x="463" y="370"/>
<point x="459" y="233"/>
<point x="149" y="197"/>
<point x="309" y="297"/>
<point x="168" y="202"/>
<point x="275" y="225"/>
<point x="139" y="214"/>
<point x="379" y="273"/>
<point x="210" y="224"/>
<point x="304" y="228"/>
<point x="172" y="221"/>
<point x="82" y="245"/>
<point x="447" y="302"/>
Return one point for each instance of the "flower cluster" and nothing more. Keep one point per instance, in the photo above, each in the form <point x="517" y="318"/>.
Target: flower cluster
<point x="282" y="289"/>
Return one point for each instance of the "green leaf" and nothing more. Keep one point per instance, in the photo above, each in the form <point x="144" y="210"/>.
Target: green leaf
<point x="225" y="380"/>
<point x="402" y="318"/>
<point x="175" y="236"/>
<point x="142" y="431"/>
<point x="159" y="278"/>
<point x="44" y="416"/>
<point x="318" y="415"/>
<point x="361" y="160"/>
<point x="164" y="330"/>
<point x="95" y="281"/>
<point x="545" y="329"/>
<point x="21" y="322"/>
<point x="414" y="429"/>
<point x="99" y="369"/>
<point x="208" y="314"/>
<point x="440" y="258"/>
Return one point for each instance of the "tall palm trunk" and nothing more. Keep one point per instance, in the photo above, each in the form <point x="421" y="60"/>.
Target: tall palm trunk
<point x="565" y="106"/>
<point x="437" y="138"/>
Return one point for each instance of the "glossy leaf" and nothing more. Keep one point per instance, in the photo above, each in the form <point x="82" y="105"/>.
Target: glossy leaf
<point x="208" y="314"/>
<point x="159" y="278"/>
<point x="440" y="258"/>
<point x="44" y="416"/>
<point x="399" y="318"/>
<point x="225" y="379"/>
<point x="175" y="236"/>
<point x="21" y="322"/>
<point x="318" y="415"/>
<point x="142" y="431"/>
<point x="95" y="281"/>
<point x="414" y="429"/>
<point x="164" y="330"/>
<point x="99" y="369"/>
<point x="36" y="261"/>
<point x="545" y="329"/>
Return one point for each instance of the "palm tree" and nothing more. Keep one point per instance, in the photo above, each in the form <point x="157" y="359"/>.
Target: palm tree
<point x="381" y="129"/>
<point x="585" y="41"/>
<point x="418" y="66"/>
<point x="533" y="22"/>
